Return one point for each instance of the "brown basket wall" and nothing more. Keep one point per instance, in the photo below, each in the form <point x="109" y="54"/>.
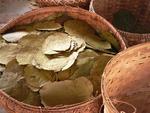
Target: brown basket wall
<point x="77" y="3"/>
<point x="97" y="22"/>
<point x="139" y="8"/>
<point x="125" y="81"/>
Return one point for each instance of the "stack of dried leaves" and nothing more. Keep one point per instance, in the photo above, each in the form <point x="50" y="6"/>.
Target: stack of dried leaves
<point x="57" y="61"/>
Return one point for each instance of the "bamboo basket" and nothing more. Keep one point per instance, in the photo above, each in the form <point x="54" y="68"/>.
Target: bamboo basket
<point x="76" y="3"/>
<point x="139" y="8"/>
<point x="125" y="81"/>
<point x="93" y="105"/>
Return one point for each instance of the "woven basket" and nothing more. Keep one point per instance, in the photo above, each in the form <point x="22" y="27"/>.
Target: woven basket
<point x="139" y="8"/>
<point x="97" y="22"/>
<point x="77" y="3"/>
<point x="125" y="81"/>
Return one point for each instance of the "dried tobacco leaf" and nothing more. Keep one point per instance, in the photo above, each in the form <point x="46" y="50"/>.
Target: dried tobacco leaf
<point x="78" y="44"/>
<point x="35" y="32"/>
<point x="97" y="70"/>
<point x="82" y="30"/>
<point x="88" y="53"/>
<point x="8" y="53"/>
<point x="110" y="38"/>
<point x="83" y="46"/>
<point x="11" y="75"/>
<point x="35" y="77"/>
<point x="63" y="75"/>
<point x="19" y="90"/>
<point x="9" y="80"/>
<point x="22" y="93"/>
<point x="99" y="65"/>
<point x="96" y="43"/>
<point x="45" y="34"/>
<point x="83" y="70"/>
<point x="30" y="45"/>
<point x="56" y="64"/>
<point x="72" y="58"/>
<point x="15" y="36"/>
<point x="56" y="42"/>
<point x="34" y="89"/>
<point x="47" y="26"/>
<point x="32" y="41"/>
<point x="85" y="56"/>
<point x="66" y="92"/>
<point x="26" y="55"/>
<point x="96" y="81"/>
<point x="33" y="98"/>
<point x="73" y="45"/>
<point x="41" y="61"/>
<point x="14" y="67"/>
<point x="66" y="74"/>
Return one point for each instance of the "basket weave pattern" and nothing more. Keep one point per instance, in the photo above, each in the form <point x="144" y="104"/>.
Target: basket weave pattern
<point x="81" y="3"/>
<point x="12" y="106"/>
<point x="128" y="88"/>
<point x="139" y="8"/>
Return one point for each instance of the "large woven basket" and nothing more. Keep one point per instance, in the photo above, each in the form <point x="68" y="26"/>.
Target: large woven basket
<point x="139" y="8"/>
<point x="97" y="22"/>
<point x="125" y="81"/>
<point x="77" y="3"/>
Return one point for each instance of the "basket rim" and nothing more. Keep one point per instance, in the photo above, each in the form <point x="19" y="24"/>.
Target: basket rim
<point x="55" y="108"/>
<point x="63" y="1"/>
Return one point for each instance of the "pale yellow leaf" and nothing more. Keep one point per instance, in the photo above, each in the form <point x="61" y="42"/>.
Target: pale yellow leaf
<point x="8" y="53"/>
<point x="14" y="36"/>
